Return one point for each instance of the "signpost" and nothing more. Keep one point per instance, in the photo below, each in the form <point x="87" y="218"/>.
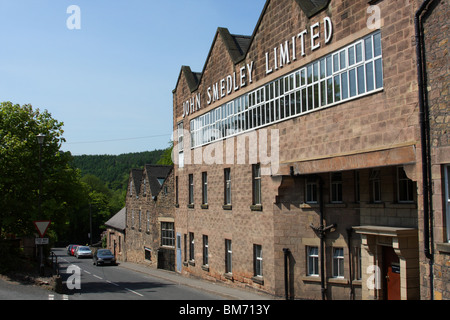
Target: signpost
<point x="41" y="227"/>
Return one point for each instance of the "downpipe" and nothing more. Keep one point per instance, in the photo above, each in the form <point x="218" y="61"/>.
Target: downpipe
<point x="425" y="143"/>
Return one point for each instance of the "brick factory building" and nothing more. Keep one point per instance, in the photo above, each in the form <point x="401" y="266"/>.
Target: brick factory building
<point x="299" y="163"/>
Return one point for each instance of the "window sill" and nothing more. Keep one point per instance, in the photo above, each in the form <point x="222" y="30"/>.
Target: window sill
<point x="190" y="206"/>
<point x="258" y="280"/>
<point x="443" y="248"/>
<point x="256" y="207"/>
<point x="227" y="207"/>
<point x="309" y="205"/>
<point x="205" y="267"/>
<point x="338" y="281"/>
<point x="177" y="205"/>
<point x="204" y="206"/>
<point x="336" y="205"/>
<point x="228" y="276"/>
<point x="311" y="278"/>
<point x="191" y="263"/>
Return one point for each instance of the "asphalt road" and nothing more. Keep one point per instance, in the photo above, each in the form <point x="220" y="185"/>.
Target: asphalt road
<point x="116" y="283"/>
<point x="103" y="283"/>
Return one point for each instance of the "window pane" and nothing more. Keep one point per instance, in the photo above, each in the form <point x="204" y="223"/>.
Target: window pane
<point x="323" y="91"/>
<point x="361" y="82"/>
<point x="379" y="73"/>
<point x="351" y="55"/>
<point x="377" y="44"/>
<point x="344" y="83"/>
<point x="369" y="76"/>
<point x="337" y="88"/>
<point x="352" y="76"/>
<point x="368" y="47"/>
<point x="329" y="66"/>
<point x="359" y="55"/>
<point x="322" y="69"/>
<point x="343" y="59"/>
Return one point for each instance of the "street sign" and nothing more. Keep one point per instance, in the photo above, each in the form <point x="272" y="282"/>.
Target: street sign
<point x="42" y="226"/>
<point x="40" y="241"/>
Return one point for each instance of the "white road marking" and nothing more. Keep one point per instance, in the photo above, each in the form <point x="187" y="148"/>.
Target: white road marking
<point x="98" y="277"/>
<point x="51" y="297"/>
<point x="65" y="297"/>
<point x="112" y="283"/>
<point x="87" y="272"/>
<point x="134" y="292"/>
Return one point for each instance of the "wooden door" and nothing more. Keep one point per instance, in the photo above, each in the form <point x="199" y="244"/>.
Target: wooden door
<point x="391" y="274"/>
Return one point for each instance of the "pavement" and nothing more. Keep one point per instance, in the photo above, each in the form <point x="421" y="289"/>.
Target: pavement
<point x="200" y="284"/>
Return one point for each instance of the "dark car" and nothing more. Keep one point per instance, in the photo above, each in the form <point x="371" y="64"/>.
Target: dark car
<point x="104" y="256"/>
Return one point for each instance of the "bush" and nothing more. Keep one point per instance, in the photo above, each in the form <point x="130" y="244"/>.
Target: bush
<point x="10" y="256"/>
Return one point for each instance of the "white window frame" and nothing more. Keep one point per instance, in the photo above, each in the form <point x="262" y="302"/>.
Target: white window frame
<point x="375" y="180"/>
<point x="351" y="72"/>
<point x="338" y="262"/>
<point x="228" y="256"/>
<point x="336" y="188"/>
<point x="398" y="187"/>
<point x="311" y="191"/>
<point x="204" y="188"/>
<point x="312" y="260"/>
<point x="205" y="250"/>
<point x="258" y="260"/>
<point x="227" y="178"/>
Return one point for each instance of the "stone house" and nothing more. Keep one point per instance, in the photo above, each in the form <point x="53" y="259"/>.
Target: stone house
<point x="115" y="234"/>
<point x="150" y="217"/>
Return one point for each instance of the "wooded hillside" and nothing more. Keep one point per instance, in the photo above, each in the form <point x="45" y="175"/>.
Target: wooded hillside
<point x="114" y="170"/>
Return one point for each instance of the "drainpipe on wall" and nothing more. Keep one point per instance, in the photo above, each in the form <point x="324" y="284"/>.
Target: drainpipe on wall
<point x="286" y="252"/>
<point x="425" y="143"/>
<point x="349" y="237"/>
<point x="321" y="231"/>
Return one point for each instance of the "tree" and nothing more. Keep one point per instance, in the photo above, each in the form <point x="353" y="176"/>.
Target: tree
<point x="19" y="171"/>
<point x="166" y="157"/>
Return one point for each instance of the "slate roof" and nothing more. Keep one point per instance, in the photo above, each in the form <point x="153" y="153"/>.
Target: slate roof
<point x="118" y="221"/>
<point x="136" y="175"/>
<point x="155" y="172"/>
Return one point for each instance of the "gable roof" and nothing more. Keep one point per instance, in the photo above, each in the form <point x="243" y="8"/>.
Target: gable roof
<point x="238" y="45"/>
<point x="154" y="173"/>
<point x="136" y="177"/>
<point x="118" y="221"/>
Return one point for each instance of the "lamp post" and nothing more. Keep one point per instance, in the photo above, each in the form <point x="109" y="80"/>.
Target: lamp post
<point x="40" y="139"/>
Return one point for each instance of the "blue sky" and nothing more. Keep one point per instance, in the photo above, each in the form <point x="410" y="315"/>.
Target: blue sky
<point x="111" y="81"/>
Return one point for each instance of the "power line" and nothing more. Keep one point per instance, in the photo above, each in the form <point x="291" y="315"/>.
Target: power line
<point x="115" y="140"/>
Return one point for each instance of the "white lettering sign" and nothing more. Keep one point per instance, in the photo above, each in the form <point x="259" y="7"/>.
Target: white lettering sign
<point x="287" y="51"/>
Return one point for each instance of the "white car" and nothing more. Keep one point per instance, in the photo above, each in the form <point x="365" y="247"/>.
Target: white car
<point x="83" y="251"/>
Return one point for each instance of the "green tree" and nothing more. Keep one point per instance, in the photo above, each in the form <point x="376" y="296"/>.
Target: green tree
<point x="166" y="157"/>
<point x="20" y="172"/>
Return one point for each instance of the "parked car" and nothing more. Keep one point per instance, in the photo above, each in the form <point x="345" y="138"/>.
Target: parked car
<point x="104" y="256"/>
<point x="69" y="249"/>
<point x="83" y="251"/>
<point x="72" y="249"/>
